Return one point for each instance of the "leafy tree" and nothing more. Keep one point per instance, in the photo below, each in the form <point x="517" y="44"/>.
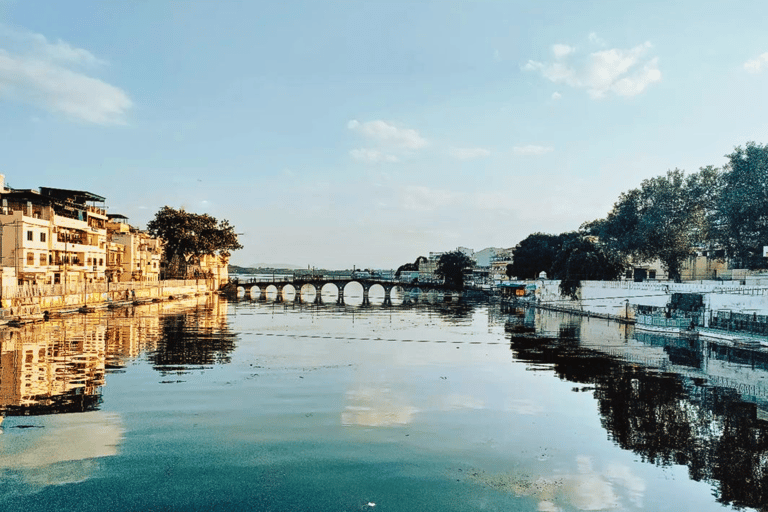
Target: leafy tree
<point x="742" y="223"/>
<point x="533" y="255"/>
<point x="188" y="236"/>
<point x="581" y="257"/>
<point x="451" y="267"/>
<point x="410" y="267"/>
<point x="667" y="218"/>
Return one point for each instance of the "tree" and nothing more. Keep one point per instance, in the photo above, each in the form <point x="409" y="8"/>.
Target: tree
<point x="667" y="218"/>
<point x="742" y="221"/>
<point x="534" y="255"/>
<point x="188" y="236"/>
<point x="451" y="267"/>
<point x="581" y="257"/>
<point x="410" y="267"/>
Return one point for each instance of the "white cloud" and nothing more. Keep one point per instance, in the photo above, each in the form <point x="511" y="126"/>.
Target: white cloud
<point x="372" y="156"/>
<point x="469" y="153"/>
<point x="423" y="199"/>
<point x="622" y="72"/>
<point x="531" y="149"/>
<point x="556" y="95"/>
<point x="562" y="50"/>
<point x="40" y="73"/>
<point x="756" y="65"/>
<point x="388" y="134"/>
<point x="594" y="39"/>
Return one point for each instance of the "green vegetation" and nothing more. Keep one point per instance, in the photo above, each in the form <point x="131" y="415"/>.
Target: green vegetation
<point x="668" y="218"/>
<point x="451" y="267"/>
<point x="188" y="236"/>
<point x="410" y="267"/>
<point x="569" y="257"/>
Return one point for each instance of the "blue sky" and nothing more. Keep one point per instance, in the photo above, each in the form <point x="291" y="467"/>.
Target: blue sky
<point x="350" y="133"/>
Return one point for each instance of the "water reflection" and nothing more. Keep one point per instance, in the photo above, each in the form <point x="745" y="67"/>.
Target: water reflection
<point x="59" y="366"/>
<point x="193" y="338"/>
<point x="684" y="402"/>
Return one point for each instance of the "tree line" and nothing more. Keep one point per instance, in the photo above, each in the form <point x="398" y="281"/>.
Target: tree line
<point x="668" y="218"/>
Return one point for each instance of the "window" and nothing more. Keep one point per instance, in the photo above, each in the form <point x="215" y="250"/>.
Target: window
<point x="43" y="259"/>
<point x="101" y="262"/>
<point x="42" y="237"/>
<point x="29" y="236"/>
<point x="30" y="258"/>
<point x="652" y="274"/>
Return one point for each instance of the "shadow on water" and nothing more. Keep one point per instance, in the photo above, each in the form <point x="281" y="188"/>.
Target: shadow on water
<point x="670" y="417"/>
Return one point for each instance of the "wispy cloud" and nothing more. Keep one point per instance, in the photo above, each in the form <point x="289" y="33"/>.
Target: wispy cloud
<point x="372" y="156"/>
<point x="561" y="51"/>
<point x="390" y="141"/>
<point x="757" y="64"/>
<point x="622" y="72"/>
<point x="423" y="199"/>
<point x="50" y="76"/>
<point x="531" y="149"/>
<point x="469" y="153"/>
<point x="388" y="134"/>
<point x="556" y="95"/>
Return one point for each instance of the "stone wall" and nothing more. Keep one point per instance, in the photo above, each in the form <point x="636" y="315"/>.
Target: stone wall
<point x="23" y="301"/>
<point x="618" y="299"/>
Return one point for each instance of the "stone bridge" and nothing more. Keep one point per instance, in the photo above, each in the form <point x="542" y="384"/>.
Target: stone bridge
<point x="340" y="283"/>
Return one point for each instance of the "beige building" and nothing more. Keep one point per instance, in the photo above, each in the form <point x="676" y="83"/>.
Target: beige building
<point x="52" y="236"/>
<point x="134" y="255"/>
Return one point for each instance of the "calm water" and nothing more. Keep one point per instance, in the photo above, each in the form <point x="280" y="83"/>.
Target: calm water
<point x="243" y="405"/>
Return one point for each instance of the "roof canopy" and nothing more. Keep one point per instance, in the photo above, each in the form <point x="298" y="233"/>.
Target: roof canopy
<point x="75" y="196"/>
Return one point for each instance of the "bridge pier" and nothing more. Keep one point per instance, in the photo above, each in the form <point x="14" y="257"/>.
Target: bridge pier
<point x="340" y="300"/>
<point x="366" y="299"/>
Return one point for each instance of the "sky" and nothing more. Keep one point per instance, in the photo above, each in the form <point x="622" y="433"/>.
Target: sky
<point x="367" y="133"/>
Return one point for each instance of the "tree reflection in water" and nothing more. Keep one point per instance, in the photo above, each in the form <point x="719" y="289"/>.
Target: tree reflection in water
<point x="667" y="418"/>
<point x="190" y="339"/>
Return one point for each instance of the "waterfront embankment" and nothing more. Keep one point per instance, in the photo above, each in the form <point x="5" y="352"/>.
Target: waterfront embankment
<point x="29" y="302"/>
<point x="622" y="300"/>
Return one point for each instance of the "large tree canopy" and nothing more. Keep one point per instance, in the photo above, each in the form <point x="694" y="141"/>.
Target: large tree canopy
<point x="190" y="235"/>
<point x="410" y="267"/>
<point x="667" y="218"/>
<point x="742" y="223"/>
<point x="580" y="258"/>
<point x="534" y="255"/>
<point x="451" y="267"/>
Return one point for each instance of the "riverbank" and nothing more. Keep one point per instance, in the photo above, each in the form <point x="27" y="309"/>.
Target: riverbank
<point x="25" y="304"/>
<point x="629" y="302"/>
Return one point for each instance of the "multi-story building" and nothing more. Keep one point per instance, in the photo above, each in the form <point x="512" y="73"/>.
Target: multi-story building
<point x="52" y="236"/>
<point x="134" y="255"/>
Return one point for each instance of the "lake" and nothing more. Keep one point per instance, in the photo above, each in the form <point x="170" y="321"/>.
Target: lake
<point x="212" y="404"/>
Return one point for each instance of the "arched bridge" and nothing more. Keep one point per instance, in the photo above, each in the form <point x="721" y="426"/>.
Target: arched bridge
<point x="340" y="283"/>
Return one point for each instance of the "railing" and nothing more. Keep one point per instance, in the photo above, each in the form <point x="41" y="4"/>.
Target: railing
<point x="31" y="291"/>
<point x="660" y="321"/>
<point x="739" y="322"/>
<point x="289" y="278"/>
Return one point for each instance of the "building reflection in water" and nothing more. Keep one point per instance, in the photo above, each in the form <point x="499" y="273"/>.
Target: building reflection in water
<point x="684" y="402"/>
<point x="60" y="365"/>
